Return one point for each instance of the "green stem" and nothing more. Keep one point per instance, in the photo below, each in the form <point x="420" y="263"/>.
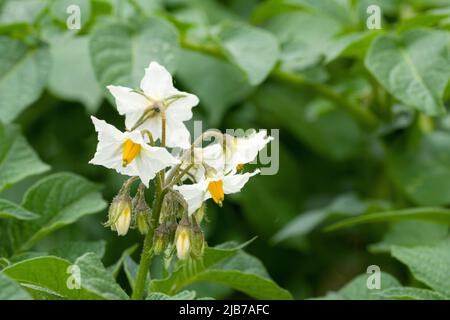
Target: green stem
<point x="146" y="255"/>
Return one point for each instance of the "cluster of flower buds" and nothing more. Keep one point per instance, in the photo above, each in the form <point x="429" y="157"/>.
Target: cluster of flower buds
<point x="156" y="146"/>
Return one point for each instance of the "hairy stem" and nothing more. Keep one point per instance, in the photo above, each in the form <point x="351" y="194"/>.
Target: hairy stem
<point x="146" y="255"/>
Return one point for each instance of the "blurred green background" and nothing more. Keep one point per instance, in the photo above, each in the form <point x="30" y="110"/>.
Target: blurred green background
<point x="312" y="83"/>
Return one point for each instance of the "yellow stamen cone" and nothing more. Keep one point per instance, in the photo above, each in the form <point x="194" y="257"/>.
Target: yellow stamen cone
<point x="130" y="151"/>
<point x="216" y="190"/>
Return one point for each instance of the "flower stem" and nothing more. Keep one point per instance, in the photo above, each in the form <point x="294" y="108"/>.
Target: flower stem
<point x="146" y="255"/>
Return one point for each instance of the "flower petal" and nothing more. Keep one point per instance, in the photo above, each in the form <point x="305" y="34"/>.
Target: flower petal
<point x="177" y="135"/>
<point x="153" y="125"/>
<point x="157" y="82"/>
<point x="235" y="182"/>
<point x="245" y="149"/>
<point x="194" y="194"/>
<point x="181" y="109"/>
<point x="108" y="148"/>
<point x="129" y="103"/>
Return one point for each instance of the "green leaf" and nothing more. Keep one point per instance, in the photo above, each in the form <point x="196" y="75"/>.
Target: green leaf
<point x="17" y="159"/>
<point x="120" y="54"/>
<point x="344" y="205"/>
<point x="411" y="233"/>
<point x="48" y="277"/>
<point x="409" y="70"/>
<point x="17" y="12"/>
<point x="131" y="270"/>
<point x="183" y="295"/>
<point x="58" y="9"/>
<point x="11" y="290"/>
<point x="438" y="215"/>
<point x="408" y="293"/>
<point x="59" y="199"/>
<point x="357" y="289"/>
<point x="96" y="279"/>
<point x="302" y="50"/>
<point x="428" y="264"/>
<point x="421" y="168"/>
<point x="115" y="268"/>
<point x="57" y="278"/>
<point x="72" y="77"/>
<point x="74" y="249"/>
<point x="17" y="62"/>
<point x="9" y="209"/>
<point x="204" y="74"/>
<point x="254" y="50"/>
<point x="226" y="266"/>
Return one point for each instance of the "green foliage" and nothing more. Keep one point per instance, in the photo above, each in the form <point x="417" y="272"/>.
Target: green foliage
<point x="357" y="289"/>
<point x="405" y="293"/>
<point x="363" y="148"/>
<point x="406" y="67"/>
<point x="47" y="277"/>
<point x="120" y="52"/>
<point x="428" y="264"/>
<point x="227" y="266"/>
<point x="9" y="209"/>
<point x="17" y="159"/>
<point x="59" y="200"/>
<point x="11" y="290"/>
<point x="19" y="62"/>
<point x="255" y="51"/>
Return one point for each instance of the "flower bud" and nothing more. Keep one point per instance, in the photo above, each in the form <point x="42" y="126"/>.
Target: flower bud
<point x="141" y="210"/>
<point x="160" y="239"/>
<point x="119" y="214"/>
<point x="198" y="241"/>
<point x="173" y="206"/>
<point x="142" y="222"/>
<point x="183" y="238"/>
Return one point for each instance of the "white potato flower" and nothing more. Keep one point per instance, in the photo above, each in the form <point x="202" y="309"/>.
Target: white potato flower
<point x="128" y="153"/>
<point x="214" y="186"/>
<point x="227" y="156"/>
<point x="159" y="98"/>
<point x="242" y="150"/>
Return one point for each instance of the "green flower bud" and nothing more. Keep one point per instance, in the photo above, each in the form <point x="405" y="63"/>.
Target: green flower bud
<point x="160" y="239"/>
<point x="119" y="214"/>
<point x="142" y="212"/>
<point x="198" y="241"/>
<point x="183" y="238"/>
<point x="142" y="222"/>
<point x="173" y="206"/>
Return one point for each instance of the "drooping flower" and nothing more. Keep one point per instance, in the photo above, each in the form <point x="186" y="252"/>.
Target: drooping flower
<point x="242" y="150"/>
<point x="214" y="185"/>
<point x="145" y="109"/>
<point x="128" y="153"/>
<point x="231" y="154"/>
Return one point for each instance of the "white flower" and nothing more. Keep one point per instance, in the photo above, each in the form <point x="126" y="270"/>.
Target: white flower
<point x="215" y="187"/>
<point x="242" y="150"/>
<point x="159" y="96"/>
<point x="128" y="153"/>
<point x="210" y="156"/>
